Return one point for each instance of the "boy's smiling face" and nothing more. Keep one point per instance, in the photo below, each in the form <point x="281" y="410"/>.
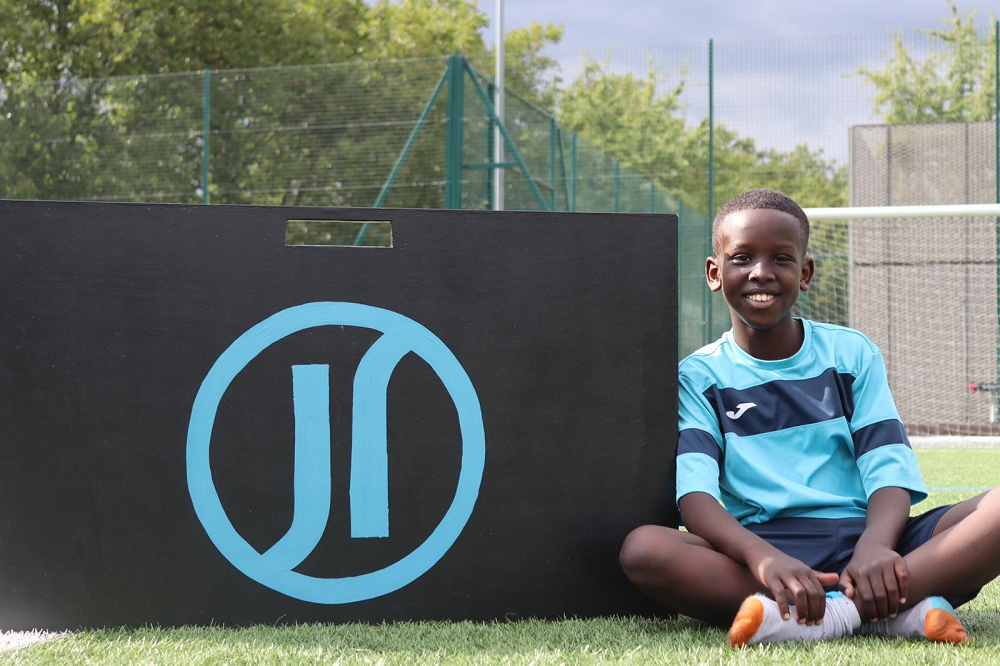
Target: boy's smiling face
<point x="761" y="267"/>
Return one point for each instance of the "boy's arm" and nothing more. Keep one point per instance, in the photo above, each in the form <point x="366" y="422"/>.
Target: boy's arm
<point x="700" y="454"/>
<point x="776" y="571"/>
<point x="891" y="478"/>
<point x="877" y="573"/>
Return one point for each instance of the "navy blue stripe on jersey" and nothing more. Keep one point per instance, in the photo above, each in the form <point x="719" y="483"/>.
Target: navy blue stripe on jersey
<point x="693" y="440"/>
<point x="783" y="403"/>
<point x="879" y="434"/>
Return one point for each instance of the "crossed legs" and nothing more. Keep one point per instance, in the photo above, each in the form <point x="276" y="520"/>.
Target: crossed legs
<point x="684" y="573"/>
<point x="964" y="552"/>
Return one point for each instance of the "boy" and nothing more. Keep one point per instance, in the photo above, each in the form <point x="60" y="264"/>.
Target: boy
<point x="790" y="424"/>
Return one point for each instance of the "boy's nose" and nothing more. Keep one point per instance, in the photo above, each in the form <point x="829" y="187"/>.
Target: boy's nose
<point x="760" y="271"/>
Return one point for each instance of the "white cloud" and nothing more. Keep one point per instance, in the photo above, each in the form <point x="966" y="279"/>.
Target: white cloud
<point x="593" y="25"/>
<point x="785" y="70"/>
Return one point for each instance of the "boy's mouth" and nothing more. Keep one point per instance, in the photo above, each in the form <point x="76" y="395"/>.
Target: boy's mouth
<point x="760" y="298"/>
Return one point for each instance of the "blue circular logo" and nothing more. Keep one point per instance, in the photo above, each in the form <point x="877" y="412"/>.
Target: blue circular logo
<point x="401" y="336"/>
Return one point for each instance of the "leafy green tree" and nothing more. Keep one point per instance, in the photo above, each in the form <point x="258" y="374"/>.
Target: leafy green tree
<point x="422" y="29"/>
<point x="527" y="71"/>
<point x="954" y="83"/>
<point x="434" y="28"/>
<point x="429" y="30"/>
<point x="52" y="39"/>
<point x="629" y="118"/>
<point x="74" y="129"/>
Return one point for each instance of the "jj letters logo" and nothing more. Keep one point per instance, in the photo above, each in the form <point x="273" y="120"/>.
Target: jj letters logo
<point x="369" y="508"/>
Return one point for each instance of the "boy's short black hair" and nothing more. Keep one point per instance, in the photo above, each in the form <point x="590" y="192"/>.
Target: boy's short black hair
<point x="756" y="200"/>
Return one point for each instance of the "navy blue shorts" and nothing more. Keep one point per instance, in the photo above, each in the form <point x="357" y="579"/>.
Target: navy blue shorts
<point x="826" y="544"/>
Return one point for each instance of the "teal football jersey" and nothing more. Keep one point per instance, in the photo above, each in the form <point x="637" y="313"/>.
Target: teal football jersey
<point x="810" y="436"/>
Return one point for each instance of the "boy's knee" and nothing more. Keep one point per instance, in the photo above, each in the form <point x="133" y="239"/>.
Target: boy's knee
<point x="645" y="549"/>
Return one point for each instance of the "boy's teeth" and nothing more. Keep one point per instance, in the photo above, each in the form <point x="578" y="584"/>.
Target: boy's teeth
<point x="761" y="297"/>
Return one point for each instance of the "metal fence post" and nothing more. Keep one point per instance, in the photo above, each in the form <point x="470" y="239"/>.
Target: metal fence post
<point x="618" y="186"/>
<point x="508" y="141"/>
<point x="710" y="215"/>
<point x="403" y="154"/>
<point x="205" y="129"/>
<point x="706" y="295"/>
<point x="572" y="205"/>
<point x="996" y="153"/>
<point x="682" y="262"/>
<point x="553" y="129"/>
<point x="454" y="132"/>
<point x="711" y="128"/>
<point x="490" y="147"/>
<point x="562" y="167"/>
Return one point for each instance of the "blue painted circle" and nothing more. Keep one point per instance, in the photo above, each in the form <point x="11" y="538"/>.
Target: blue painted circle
<point x="205" y="498"/>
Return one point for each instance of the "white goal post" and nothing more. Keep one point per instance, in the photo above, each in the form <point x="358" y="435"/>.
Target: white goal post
<point x="922" y="283"/>
<point x="902" y="212"/>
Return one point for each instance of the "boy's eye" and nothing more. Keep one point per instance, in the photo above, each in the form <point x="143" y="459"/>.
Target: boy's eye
<point x="740" y="258"/>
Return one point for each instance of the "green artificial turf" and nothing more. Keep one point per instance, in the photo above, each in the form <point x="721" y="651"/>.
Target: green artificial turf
<point x="956" y="474"/>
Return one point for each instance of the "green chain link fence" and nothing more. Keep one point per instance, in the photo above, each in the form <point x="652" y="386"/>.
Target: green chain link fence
<point x="418" y="133"/>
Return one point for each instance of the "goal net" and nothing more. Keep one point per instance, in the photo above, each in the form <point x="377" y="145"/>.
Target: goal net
<point x="922" y="283"/>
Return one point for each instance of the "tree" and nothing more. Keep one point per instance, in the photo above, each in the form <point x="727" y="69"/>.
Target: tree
<point x="48" y="40"/>
<point x="75" y="127"/>
<point x="954" y="83"/>
<point x="630" y="119"/>
<point x="527" y="72"/>
<point x="436" y="28"/>
<point x="422" y="29"/>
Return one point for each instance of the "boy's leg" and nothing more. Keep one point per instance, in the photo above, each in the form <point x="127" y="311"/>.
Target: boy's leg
<point x="932" y="618"/>
<point x="963" y="553"/>
<point x="959" y="557"/>
<point x="684" y="573"/>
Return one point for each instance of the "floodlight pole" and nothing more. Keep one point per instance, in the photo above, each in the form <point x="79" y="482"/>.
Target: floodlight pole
<point x="498" y="105"/>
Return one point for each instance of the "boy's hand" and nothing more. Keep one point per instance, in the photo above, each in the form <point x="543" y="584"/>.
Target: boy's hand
<point x="877" y="575"/>
<point x="788" y="578"/>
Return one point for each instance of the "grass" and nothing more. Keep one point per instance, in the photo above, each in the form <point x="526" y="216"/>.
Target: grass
<point x="952" y="474"/>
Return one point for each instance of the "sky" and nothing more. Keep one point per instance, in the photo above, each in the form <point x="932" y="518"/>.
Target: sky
<point x="785" y="72"/>
<point x="597" y="24"/>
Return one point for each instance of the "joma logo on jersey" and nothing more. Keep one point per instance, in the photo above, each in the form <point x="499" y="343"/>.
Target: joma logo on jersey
<point x="740" y="410"/>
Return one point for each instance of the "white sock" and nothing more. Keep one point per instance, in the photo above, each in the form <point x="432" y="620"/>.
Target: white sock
<point x="914" y="623"/>
<point x="759" y="621"/>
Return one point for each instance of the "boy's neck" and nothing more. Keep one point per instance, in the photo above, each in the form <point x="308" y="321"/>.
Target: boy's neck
<point x="771" y="344"/>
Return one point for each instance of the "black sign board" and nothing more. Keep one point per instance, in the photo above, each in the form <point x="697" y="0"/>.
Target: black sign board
<point x="202" y="425"/>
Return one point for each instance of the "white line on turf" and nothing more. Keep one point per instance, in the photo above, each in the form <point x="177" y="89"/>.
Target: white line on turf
<point x="954" y="442"/>
<point x="12" y="640"/>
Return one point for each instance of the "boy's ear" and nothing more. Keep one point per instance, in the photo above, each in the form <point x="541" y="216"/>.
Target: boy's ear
<point x="713" y="273"/>
<point x="808" y="268"/>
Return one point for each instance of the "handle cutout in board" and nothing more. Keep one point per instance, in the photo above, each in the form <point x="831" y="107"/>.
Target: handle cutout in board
<point x="338" y="233"/>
